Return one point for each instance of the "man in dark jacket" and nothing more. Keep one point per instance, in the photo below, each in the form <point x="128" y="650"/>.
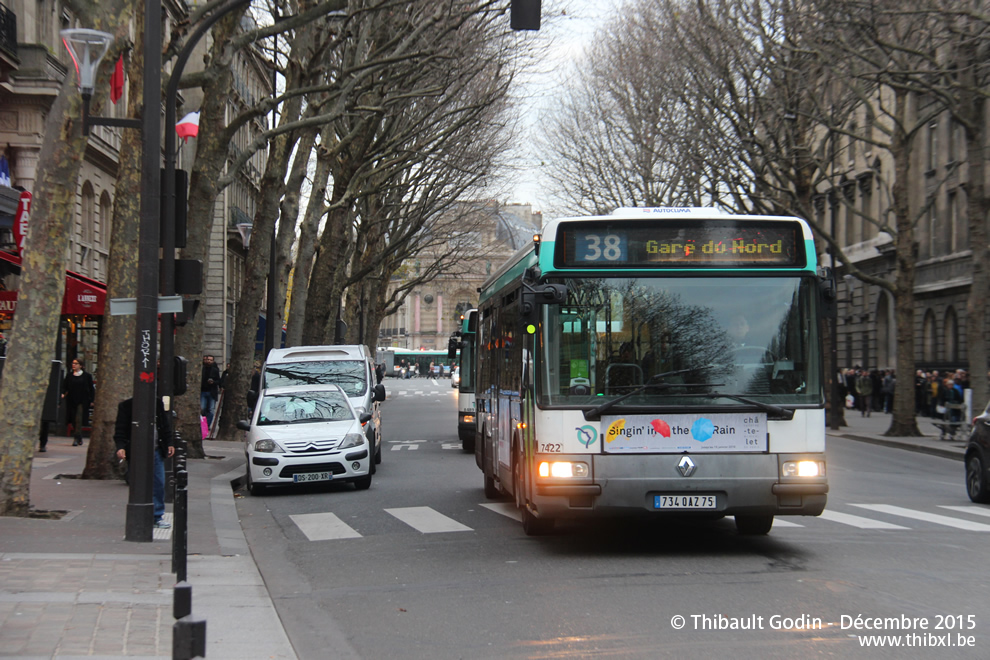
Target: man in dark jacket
<point x="209" y="388"/>
<point x="164" y="448"/>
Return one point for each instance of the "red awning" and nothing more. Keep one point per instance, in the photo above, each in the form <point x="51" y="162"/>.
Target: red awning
<point x="82" y="294"/>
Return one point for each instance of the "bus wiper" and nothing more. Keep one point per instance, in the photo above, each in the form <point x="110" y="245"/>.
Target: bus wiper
<point x="776" y="411"/>
<point x="653" y="383"/>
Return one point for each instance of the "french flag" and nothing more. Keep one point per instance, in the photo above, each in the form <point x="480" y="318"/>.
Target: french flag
<point x="188" y="126"/>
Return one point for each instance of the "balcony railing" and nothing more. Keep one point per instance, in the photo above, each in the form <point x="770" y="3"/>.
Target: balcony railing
<point x="8" y="31"/>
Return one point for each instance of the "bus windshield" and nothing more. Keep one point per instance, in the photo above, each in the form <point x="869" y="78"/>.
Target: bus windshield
<point x="688" y="340"/>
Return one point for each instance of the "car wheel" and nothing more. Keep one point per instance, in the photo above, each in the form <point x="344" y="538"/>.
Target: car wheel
<point x="253" y="488"/>
<point x="754" y="525"/>
<point x="976" y="480"/>
<point x="363" y="483"/>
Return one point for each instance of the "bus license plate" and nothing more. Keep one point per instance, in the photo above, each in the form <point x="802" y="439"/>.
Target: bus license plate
<point x="311" y="476"/>
<point x="684" y="502"/>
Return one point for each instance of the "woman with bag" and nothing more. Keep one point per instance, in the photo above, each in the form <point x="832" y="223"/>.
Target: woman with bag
<point x="78" y="392"/>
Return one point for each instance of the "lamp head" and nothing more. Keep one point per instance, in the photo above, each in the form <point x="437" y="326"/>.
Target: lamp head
<point x="87" y="48"/>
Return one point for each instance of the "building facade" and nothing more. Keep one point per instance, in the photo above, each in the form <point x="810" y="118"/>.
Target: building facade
<point x="432" y="311"/>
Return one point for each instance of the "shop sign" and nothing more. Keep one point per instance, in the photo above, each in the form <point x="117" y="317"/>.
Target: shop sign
<point x="21" y="220"/>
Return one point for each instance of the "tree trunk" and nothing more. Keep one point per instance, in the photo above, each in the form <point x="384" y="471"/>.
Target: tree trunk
<point x="903" y="422"/>
<point x="42" y="286"/>
<point x="117" y="376"/>
<point x="306" y="247"/>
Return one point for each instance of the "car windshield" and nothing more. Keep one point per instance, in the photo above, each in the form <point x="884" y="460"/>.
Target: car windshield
<point x="682" y="341"/>
<point x="304" y="407"/>
<point x="350" y="375"/>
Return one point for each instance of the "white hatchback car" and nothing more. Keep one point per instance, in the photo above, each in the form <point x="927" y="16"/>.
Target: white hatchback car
<point x="306" y="434"/>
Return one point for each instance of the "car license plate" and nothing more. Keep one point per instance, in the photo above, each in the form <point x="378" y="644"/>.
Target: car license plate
<point x="311" y="476"/>
<point x="683" y="502"/>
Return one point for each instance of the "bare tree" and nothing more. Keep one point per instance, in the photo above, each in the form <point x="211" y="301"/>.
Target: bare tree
<point x="43" y="273"/>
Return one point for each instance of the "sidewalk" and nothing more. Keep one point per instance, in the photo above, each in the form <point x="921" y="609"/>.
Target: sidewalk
<point x="871" y="429"/>
<point x="74" y="588"/>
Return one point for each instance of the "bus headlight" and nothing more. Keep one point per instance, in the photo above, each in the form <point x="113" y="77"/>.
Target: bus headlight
<point x="563" y="469"/>
<point x="802" y="469"/>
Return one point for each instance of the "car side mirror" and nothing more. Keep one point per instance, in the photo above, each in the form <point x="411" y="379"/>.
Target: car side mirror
<point x="365" y="417"/>
<point x="379" y="394"/>
<point x="244" y="425"/>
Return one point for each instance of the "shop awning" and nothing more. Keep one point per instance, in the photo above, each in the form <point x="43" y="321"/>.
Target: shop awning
<point x="83" y="296"/>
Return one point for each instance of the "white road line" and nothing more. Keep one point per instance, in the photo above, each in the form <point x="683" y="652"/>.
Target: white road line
<point x="505" y="508"/>
<point x="927" y="517"/>
<point x="858" y="521"/>
<point x="426" y="520"/>
<point x="323" y="526"/>
<point x="975" y="510"/>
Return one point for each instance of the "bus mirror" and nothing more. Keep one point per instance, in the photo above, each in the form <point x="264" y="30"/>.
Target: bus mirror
<point x="540" y="294"/>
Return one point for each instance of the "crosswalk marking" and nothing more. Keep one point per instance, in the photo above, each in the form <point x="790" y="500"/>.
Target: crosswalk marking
<point x="927" y="517"/>
<point x="426" y="520"/>
<point x="975" y="510"/>
<point x="857" y="521"/>
<point x="323" y="526"/>
<point x="507" y="509"/>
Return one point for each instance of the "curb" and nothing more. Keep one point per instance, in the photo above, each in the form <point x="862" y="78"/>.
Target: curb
<point x="957" y="455"/>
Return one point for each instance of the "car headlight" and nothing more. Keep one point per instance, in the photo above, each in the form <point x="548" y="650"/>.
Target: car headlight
<point x="351" y="440"/>
<point x="563" y="469"/>
<point x="267" y="446"/>
<point x="802" y="469"/>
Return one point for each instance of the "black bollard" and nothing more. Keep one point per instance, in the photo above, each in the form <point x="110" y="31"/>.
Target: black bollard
<point x="188" y="638"/>
<point x="180" y="527"/>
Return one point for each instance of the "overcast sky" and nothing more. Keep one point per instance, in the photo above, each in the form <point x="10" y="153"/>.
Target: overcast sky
<point x="569" y="30"/>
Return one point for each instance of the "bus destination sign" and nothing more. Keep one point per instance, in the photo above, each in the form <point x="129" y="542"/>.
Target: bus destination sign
<point x="679" y="244"/>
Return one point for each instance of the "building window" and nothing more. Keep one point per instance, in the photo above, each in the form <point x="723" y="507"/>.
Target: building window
<point x="952" y="232"/>
<point x="932" y="233"/>
<point x="951" y="341"/>
<point x="928" y="337"/>
<point x="932" y="145"/>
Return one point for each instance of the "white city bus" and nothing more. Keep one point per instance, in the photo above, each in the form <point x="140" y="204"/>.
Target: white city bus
<point x="656" y="362"/>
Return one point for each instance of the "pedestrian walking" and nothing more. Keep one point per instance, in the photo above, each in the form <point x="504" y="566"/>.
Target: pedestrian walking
<point x="889" y="384"/>
<point x="164" y="448"/>
<point x="864" y="390"/>
<point x="78" y="391"/>
<point x="209" y="388"/>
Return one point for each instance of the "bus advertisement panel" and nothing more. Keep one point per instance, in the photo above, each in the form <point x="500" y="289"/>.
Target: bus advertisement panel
<point x="655" y="362"/>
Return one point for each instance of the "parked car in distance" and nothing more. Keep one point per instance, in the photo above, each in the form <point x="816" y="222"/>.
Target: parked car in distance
<point x="455" y="377"/>
<point x="978" y="459"/>
<point x="306" y="434"/>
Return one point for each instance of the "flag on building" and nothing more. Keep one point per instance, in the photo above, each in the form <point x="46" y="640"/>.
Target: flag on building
<point x="117" y="81"/>
<point x="188" y="127"/>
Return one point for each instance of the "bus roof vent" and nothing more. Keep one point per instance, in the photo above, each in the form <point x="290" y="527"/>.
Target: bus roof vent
<point x="668" y="211"/>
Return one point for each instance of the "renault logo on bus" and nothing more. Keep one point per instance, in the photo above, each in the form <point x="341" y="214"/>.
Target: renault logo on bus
<point x="686" y="466"/>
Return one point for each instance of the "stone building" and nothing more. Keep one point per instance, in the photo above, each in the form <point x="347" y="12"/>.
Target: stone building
<point x="432" y="311"/>
<point x="33" y="64"/>
<point x="866" y="316"/>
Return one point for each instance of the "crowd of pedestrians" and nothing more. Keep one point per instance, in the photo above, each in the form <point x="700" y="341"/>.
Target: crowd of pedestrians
<point x="872" y="390"/>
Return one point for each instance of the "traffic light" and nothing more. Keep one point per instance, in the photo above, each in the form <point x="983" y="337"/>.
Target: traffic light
<point x="524" y="15"/>
<point x="180" y="375"/>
